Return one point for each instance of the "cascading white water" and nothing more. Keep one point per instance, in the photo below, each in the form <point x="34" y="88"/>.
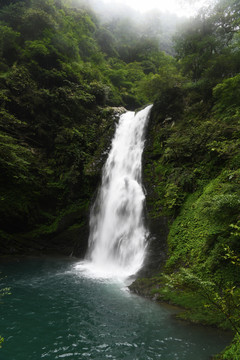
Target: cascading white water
<point x="117" y="240"/>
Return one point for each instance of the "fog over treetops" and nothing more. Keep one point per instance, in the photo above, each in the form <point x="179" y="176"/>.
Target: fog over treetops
<point x="124" y="21"/>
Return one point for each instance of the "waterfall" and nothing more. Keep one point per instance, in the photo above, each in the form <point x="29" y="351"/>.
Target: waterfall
<point x="117" y="240"/>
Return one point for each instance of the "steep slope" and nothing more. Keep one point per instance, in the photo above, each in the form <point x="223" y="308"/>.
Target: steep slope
<point x="192" y="177"/>
<point x="62" y="74"/>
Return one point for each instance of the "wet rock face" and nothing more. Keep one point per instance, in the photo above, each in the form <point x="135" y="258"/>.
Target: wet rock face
<point x="157" y="247"/>
<point x="67" y="236"/>
<point x="107" y="126"/>
<point x="156" y="222"/>
<point x="118" y="110"/>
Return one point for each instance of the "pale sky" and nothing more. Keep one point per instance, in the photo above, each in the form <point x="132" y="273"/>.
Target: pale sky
<point x="179" y="7"/>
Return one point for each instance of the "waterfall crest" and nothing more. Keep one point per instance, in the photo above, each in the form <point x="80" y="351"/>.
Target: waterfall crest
<point x="117" y="240"/>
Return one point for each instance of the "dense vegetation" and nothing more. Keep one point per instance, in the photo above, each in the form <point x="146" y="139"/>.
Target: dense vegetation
<point x="62" y="73"/>
<point x="192" y="173"/>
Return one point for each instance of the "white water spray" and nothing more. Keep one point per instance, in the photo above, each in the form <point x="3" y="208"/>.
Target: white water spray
<point x="117" y="240"/>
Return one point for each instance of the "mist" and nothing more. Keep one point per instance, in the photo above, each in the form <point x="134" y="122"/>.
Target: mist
<point x="126" y="23"/>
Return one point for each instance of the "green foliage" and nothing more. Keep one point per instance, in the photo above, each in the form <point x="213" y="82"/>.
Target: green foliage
<point x="231" y="352"/>
<point x="8" y="44"/>
<point x="192" y="171"/>
<point x="204" y="227"/>
<point x="207" y="47"/>
<point x="226" y="96"/>
<point x="15" y="159"/>
<point x="172" y="196"/>
<point x="154" y="85"/>
<point x="60" y="70"/>
<point x="218" y="298"/>
<point x="54" y="81"/>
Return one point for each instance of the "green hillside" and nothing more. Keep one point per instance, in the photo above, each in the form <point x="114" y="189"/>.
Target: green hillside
<point x="61" y="75"/>
<point x="192" y="174"/>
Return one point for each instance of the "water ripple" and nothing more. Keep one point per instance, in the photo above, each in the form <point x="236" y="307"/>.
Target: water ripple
<point x="68" y="315"/>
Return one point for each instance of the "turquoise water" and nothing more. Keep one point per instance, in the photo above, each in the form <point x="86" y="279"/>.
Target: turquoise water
<point x="56" y="312"/>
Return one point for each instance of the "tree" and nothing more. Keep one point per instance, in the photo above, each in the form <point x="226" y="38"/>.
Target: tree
<point x="205" y="46"/>
<point x="9" y="48"/>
